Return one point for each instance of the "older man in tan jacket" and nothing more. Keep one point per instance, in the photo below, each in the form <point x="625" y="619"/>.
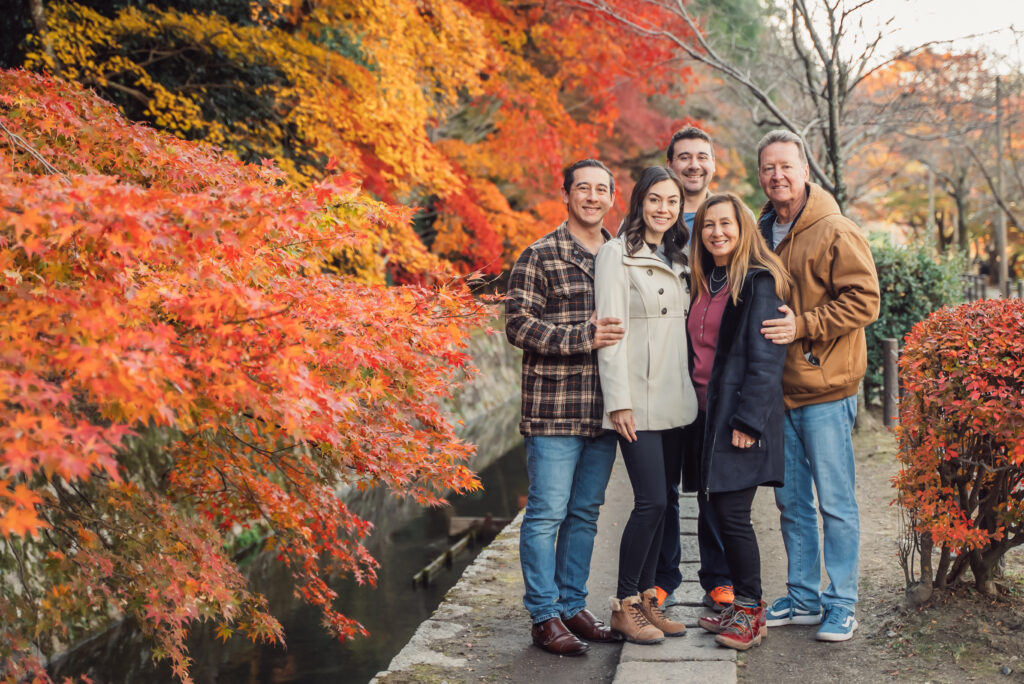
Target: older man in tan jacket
<point x="835" y="295"/>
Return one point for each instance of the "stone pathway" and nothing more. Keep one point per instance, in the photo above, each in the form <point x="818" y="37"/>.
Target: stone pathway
<point x="480" y="633"/>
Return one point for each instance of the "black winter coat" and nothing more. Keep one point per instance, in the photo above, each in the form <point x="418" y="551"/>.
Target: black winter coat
<point x="745" y="393"/>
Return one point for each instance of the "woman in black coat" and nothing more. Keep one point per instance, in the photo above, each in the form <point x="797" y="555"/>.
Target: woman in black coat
<point x="737" y="283"/>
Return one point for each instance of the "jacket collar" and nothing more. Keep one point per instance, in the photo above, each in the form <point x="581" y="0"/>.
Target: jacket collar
<point x="571" y="251"/>
<point x="820" y="203"/>
<point x="645" y="256"/>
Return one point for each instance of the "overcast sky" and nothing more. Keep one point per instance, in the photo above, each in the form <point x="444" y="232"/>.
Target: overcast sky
<point x="920" y="21"/>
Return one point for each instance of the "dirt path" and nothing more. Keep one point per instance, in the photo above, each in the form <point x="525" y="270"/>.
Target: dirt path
<point x="956" y="637"/>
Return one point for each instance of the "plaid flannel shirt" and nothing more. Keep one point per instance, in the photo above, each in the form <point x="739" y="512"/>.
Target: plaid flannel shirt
<point x="547" y="314"/>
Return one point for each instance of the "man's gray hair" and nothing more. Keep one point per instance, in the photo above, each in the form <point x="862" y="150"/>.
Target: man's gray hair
<point x="781" y="135"/>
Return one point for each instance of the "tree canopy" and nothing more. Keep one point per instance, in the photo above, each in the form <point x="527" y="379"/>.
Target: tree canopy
<point x="179" y="366"/>
<point x="467" y="109"/>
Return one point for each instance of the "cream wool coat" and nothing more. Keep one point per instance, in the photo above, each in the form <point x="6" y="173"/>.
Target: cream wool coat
<point x="647" y="370"/>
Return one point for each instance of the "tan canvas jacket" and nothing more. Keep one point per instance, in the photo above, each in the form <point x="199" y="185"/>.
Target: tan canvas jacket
<point x="835" y="296"/>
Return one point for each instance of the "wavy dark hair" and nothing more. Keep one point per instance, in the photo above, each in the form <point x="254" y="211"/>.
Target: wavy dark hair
<point x="632" y="230"/>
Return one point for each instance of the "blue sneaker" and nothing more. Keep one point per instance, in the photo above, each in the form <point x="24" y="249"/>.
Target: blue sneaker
<point x="672" y="600"/>
<point x="783" y="612"/>
<point x="838" y="625"/>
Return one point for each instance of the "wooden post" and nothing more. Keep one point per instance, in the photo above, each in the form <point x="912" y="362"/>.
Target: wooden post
<point x="1001" y="265"/>
<point x="891" y="382"/>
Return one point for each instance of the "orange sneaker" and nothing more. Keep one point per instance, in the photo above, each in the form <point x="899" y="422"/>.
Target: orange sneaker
<point x="719" y="597"/>
<point x="662" y="595"/>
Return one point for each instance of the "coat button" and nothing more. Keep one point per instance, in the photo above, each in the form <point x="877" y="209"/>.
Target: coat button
<point x="661" y="290"/>
<point x="664" y="311"/>
<point x="650" y="272"/>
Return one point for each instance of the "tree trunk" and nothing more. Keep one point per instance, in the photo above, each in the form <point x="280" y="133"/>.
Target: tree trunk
<point x="960" y="197"/>
<point x="927" y="575"/>
<point x="982" y="566"/>
<point x="38" y="12"/>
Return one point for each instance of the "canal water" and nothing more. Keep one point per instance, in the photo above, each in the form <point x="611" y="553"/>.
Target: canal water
<point x="391" y="612"/>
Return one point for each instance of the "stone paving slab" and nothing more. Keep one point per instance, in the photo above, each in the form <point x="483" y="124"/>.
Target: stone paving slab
<point x="690" y="550"/>
<point x="688" y="507"/>
<point x="696" y="644"/>
<point x="690" y="593"/>
<point x="688" y="615"/>
<point x="705" y="672"/>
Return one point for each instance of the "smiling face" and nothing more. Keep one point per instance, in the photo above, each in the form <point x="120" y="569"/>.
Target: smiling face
<point x="694" y="162"/>
<point x="720" y="232"/>
<point x="661" y="209"/>
<point x="589" y="198"/>
<point x="783" y="176"/>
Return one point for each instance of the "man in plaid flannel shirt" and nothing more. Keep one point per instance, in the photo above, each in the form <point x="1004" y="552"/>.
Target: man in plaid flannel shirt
<point x="550" y="315"/>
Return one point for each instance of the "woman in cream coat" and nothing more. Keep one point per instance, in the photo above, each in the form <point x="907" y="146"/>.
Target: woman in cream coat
<point x="641" y="278"/>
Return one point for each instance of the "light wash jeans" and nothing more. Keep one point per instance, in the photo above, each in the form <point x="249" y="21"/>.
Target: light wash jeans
<point x="568" y="476"/>
<point x="819" y="457"/>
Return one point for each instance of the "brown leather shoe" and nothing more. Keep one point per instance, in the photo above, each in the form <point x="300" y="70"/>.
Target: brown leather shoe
<point x="584" y="625"/>
<point x="554" y="637"/>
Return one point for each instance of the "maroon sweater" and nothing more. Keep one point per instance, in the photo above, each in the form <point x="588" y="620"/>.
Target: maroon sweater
<point x="702" y="326"/>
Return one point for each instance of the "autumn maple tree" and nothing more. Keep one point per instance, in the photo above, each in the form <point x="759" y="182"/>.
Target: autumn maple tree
<point x="179" y="365"/>
<point x="466" y="109"/>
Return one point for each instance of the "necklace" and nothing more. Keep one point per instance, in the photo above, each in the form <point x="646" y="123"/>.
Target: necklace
<point x="716" y="284"/>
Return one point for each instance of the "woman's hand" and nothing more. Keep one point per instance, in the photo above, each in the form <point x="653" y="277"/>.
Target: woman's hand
<point x="622" y="421"/>
<point x="742" y="440"/>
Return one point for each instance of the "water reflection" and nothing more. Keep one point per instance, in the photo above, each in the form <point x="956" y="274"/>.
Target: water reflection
<point x="391" y="612"/>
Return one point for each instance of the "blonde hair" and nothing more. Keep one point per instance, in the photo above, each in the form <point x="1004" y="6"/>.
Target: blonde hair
<point x="751" y="252"/>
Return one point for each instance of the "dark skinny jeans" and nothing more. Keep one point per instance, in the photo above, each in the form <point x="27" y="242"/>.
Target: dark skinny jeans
<point x="732" y="511"/>
<point x="645" y="461"/>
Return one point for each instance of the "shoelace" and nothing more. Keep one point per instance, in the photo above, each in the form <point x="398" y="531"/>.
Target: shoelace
<point x="741" y="622"/>
<point x="834" y="617"/>
<point x="727" y="587"/>
<point x="726" y="617"/>
<point x="638" y="615"/>
<point x="656" y="610"/>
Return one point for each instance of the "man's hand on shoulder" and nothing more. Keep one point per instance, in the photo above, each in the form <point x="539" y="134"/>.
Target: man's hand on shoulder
<point x="780" y="330"/>
<point x="607" y="331"/>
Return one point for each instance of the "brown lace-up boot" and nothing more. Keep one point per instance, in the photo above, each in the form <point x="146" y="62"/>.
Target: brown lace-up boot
<point x="628" y="619"/>
<point x="652" y="611"/>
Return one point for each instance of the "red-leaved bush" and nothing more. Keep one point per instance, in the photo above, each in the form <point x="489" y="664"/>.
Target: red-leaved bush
<point x="961" y="440"/>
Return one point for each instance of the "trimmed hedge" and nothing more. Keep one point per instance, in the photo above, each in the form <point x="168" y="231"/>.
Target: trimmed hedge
<point x="961" y="438"/>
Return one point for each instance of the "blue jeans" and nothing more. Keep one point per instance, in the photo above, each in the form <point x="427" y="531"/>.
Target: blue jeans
<point x="568" y="476"/>
<point x="819" y="457"/>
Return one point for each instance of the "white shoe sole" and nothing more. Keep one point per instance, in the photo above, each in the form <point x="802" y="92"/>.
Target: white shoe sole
<point x="836" y="636"/>
<point x="794" y="620"/>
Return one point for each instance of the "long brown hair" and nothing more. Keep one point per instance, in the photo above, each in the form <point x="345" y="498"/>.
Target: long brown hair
<point x="751" y="252"/>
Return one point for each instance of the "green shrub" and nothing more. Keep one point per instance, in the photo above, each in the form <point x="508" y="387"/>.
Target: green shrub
<point x="914" y="283"/>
